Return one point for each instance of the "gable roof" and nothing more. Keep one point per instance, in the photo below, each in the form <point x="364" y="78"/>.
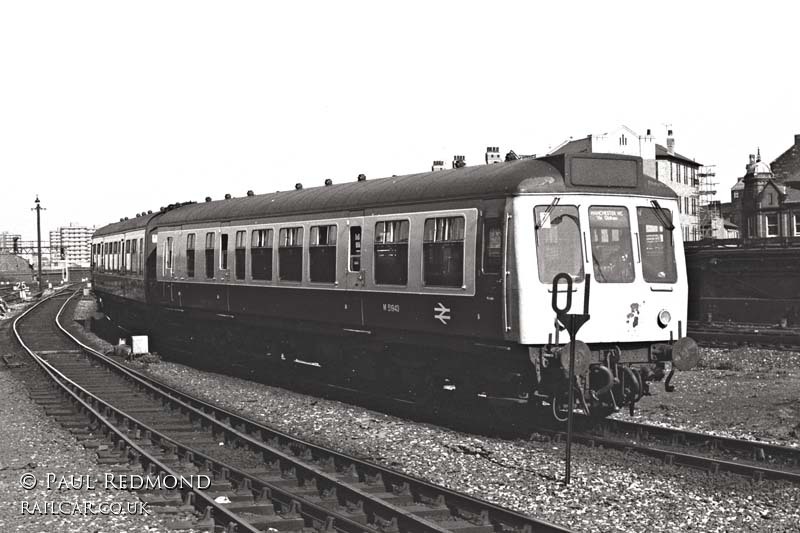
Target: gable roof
<point x="663" y="153"/>
<point x="575" y="146"/>
<point x="774" y="185"/>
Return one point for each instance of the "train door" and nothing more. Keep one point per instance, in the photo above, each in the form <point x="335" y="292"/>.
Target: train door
<point x="491" y="278"/>
<point x="355" y="270"/>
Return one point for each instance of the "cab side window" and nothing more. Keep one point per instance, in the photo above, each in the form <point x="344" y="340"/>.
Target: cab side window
<point x="492" y="246"/>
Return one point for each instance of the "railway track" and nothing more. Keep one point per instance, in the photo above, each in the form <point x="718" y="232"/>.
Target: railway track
<point x="751" y="459"/>
<point x="267" y="478"/>
<point x="129" y="449"/>
<point x="753" y="335"/>
<point x="715" y="454"/>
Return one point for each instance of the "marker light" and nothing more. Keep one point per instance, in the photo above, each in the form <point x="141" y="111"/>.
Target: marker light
<point x="663" y="318"/>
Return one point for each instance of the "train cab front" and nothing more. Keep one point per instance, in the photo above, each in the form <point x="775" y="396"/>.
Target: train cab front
<point x="619" y="261"/>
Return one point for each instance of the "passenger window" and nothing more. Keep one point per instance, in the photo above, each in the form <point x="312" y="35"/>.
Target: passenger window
<point x="141" y="255"/>
<point x="190" y="255"/>
<point x="391" y="252"/>
<point x="355" y="249"/>
<point x="168" y="256"/>
<point x="492" y="246"/>
<point x="322" y="254"/>
<point x="558" y="242"/>
<point x="612" y="255"/>
<point x="290" y="254"/>
<point x="239" y="255"/>
<point x="210" y="255"/>
<point x="443" y="252"/>
<point x="656" y="246"/>
<point x="223" y="251"/>
<point x="261" y="254"/>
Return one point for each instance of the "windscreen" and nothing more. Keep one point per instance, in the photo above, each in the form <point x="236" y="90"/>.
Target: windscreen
<point x="558" y="242"/>
<point x="656" y="246"/>
<point x="612" y="255"/>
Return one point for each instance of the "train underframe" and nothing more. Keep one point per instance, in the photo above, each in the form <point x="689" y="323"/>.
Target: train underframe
<point x="426" y="371"/>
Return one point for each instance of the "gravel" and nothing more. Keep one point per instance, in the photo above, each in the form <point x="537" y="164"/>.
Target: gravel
<point x="33" y="443"/>
<point x="610" y="491"/>
<point x="745" y="393"/>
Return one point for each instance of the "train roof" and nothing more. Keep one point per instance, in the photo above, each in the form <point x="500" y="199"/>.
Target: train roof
<point x="124" y="226"/>
<point x="555" y="174"/>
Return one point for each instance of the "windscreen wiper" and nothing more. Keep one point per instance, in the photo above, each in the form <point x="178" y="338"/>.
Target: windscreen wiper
<point x="546" y="215"/>
<point x="662" y="215"/>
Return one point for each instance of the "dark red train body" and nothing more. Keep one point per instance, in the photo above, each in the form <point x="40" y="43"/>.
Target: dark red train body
<point x="423" y="283"/>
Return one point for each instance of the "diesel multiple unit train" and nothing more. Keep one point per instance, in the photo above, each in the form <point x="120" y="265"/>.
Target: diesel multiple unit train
<point x="423" y="285"/>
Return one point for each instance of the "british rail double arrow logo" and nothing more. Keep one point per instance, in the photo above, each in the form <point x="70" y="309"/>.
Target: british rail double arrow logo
<point x="441" y="313"/>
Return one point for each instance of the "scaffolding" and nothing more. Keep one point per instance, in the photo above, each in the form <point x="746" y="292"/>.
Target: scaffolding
<point x="707" y="208"/>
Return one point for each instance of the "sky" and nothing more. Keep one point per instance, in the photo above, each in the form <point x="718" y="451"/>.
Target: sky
<point x="109" y="108"/>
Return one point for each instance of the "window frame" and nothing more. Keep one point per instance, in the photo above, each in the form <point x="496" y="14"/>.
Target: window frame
<point x="169" y="256"/>
<point x="577" y="277"/>
<point x="332" y="228"/>
<point x="269" y="238"/>
<point x="375" y="243"/>
<point x="209" y="266"/>
<point x="240" y="254"/>
<point x="426" y="245"/>
<point x="776" y="225"/>
<point x="591" y="243"/>
<point x="642" y="244"/>
<point x="224" y="244"/>
<point x="485" y="228"/>
<point x="300" y="229"/>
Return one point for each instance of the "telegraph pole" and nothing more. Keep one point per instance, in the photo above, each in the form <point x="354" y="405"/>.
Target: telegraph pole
<point x="38" y="210"/>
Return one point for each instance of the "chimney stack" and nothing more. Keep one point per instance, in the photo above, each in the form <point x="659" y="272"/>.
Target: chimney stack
<point x="670" y="143"/>
<point x="459" y="161"/>
<point x="492" y="154"/>
<point x="438" y="165"/>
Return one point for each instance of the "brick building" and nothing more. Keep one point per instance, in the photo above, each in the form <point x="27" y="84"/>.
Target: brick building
<point x="766" y="203"/>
